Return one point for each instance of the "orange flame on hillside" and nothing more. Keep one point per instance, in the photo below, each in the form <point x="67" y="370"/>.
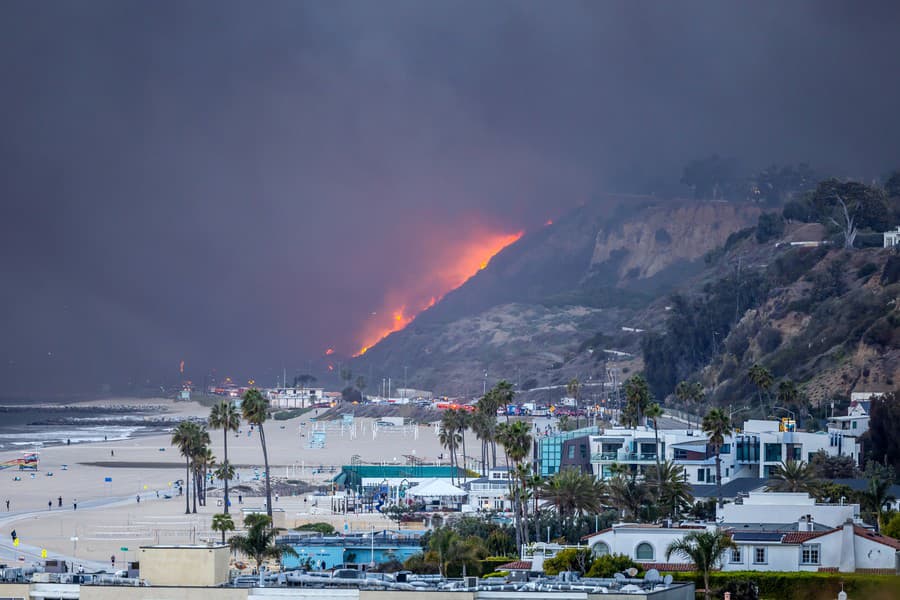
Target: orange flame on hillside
<point x="329" y="352"/>
<point x="468" y="260"/>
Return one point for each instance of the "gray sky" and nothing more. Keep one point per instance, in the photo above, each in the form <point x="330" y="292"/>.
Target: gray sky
<point x="241" y="184"/>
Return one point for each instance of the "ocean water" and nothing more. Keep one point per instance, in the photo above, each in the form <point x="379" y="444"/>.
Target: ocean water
<point x="30" y="425"/>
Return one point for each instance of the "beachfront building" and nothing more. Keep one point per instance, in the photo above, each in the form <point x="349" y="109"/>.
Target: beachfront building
<point x="772" y="532"/>
<point x="754" y="452"/>
<point x="295" y="397"/>
<point x="370" y="548"/>
<point x="490" y="493"/>
<point x="565" y="449"/>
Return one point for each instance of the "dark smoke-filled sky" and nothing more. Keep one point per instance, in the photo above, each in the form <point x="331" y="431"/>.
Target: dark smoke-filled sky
<point x="240" y="185"/>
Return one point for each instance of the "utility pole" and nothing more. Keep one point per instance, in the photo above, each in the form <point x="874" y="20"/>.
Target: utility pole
<point x="405" y="382"/>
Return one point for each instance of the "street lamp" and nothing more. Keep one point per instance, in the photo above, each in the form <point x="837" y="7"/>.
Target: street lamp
<point x="790" y="412"/>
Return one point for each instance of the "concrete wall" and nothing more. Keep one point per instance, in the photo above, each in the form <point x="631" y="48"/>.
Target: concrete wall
<point x="97" y="592"/>
<point x="185" y="565"/>
<point x="14" y="590"/>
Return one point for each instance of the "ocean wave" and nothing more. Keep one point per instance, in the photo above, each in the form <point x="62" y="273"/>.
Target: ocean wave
<point x="75" y="436"/>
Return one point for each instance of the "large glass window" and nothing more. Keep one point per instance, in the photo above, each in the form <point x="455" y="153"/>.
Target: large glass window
<point x="644" y="551"/>
<point x="773" y="452"/>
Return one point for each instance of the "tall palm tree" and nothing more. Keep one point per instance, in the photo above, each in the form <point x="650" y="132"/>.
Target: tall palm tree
<point x="788" y="394"/>
<point x="488" y="406"/>
<point x="183" y="438"/>
<point x="222" y="522"/>
<point x="716" y="425"/>
<point x="704" y="549"/>
<point x="226" y="417"/>
<point x="793" y="476"/>
<point x="572" y="493"/>
<point x="516" y="441"/>
<point x="628" y="495"/>
<point x="875" y="497"/>
<point x="449" y="439"/>
<point x="462" y="419"/>
<point x="762" y="379"/>
<point x="653" y="413"/>
<point x="503" y="395"/>
<point x="203" y="461"/>
<point x="255" y="410"/>
<point x="689" y="393"/>
<point x="572" y="388"/>
<point x="483" y="428"/>
<point x="258" y="542"/>
<point x="637" y="398"/>
<point x="673" y="491"/>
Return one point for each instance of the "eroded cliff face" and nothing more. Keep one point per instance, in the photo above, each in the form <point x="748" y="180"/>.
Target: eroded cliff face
<point x="665" y="235"/>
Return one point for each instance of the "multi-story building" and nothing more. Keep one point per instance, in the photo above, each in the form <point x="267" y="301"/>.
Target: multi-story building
<point x="565" y="449"/>
<point x="490" y="492"/>
<point x="756" y="451"/>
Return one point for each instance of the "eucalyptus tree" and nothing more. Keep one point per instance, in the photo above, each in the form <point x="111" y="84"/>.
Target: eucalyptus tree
<point x="255" y="410"/>
<point x="226" y="417"/>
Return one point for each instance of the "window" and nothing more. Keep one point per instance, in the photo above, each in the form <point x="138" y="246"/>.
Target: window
<point x="644" y="551"/>
<point x="809" y="555"/>
<point x="700" y="475"/>
<point x="736" y="555"/>
<point x="759" y="556"/>
<point x="773" y="452"/>
<point x="854" y="425"/>
<point x="571" y="452"/>
<point x="797" y="453"/>
<point x="680" y="454"/>
<point x="600" y="549"/>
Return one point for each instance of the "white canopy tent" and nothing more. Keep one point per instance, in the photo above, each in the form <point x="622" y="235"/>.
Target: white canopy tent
<point x="437" y="491"/>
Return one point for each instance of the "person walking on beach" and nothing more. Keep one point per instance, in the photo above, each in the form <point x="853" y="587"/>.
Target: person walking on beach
<point x="138" y="498"/>
<point x="49" y="504"/>
<point x="59" y="501"/>
<point x="7" y="505"/>
<point x="75" y="504"/>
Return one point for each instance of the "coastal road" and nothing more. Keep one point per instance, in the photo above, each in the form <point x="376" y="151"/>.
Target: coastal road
<point x="10" y="554"/>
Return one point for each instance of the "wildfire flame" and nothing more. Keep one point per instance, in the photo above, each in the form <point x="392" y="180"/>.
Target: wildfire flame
<point x="329" y="351"/>
<point x="467" y="261"/>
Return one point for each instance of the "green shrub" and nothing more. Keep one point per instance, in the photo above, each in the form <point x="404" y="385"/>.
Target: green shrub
<point x="610" y="564"/>
<point x="570" y="559"/>
<point x="804" y="585"/>
<point x="496" y="574"/>
<point x="492" y="563"/>
<point x="323" y="528"/>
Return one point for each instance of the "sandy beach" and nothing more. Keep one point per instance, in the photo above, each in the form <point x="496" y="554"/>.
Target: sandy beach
<point x="105" y="478"/>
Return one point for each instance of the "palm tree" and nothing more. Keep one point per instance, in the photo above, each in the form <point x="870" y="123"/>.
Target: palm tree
<point x="762" y="379"/>
<point x="516" y="441"/>
<point x="483" y="427"/>
<point x="716" y="425"/>
<point x="628" y="495"/>
<point x="654" y="412"/>
<point x="673" y="492"/>
<point x="788" y="394"/>
<point x="226" y="417"/>
<point x="689" y="393"/>
<point x="183" y="438"/>
<point x="572" y="388"/>
<point x="461" y="420"/>
<point x="222" y="522"/>
<point x="572" y="493"/>
<point x="875" y="497"/>
<point x="202" y="461"/>
<point x="255" y="410"/>
<point x="637" y="399"/>
<point x="793" y="476"/>
<point x="449" y="436"/>
<point x="503" y="395"/>
<point x="704" y="549"/>
<point x="258" y="542"/>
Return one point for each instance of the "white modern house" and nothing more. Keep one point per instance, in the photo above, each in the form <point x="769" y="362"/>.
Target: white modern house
<point x="295" y="397"/>
<point x="772" y="532"/>
<point x="755" y="452"/>
<point x="892" y="238"/>
<point x="490" y="492"/>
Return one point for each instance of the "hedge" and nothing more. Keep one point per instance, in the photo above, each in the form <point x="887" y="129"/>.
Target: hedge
<point x="805" y="585"/>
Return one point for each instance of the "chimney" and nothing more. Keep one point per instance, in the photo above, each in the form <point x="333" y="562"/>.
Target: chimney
<point x="848" y="550"/>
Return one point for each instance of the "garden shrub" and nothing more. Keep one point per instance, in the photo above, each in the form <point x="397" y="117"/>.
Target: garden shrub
<point x="609" y="564"/>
